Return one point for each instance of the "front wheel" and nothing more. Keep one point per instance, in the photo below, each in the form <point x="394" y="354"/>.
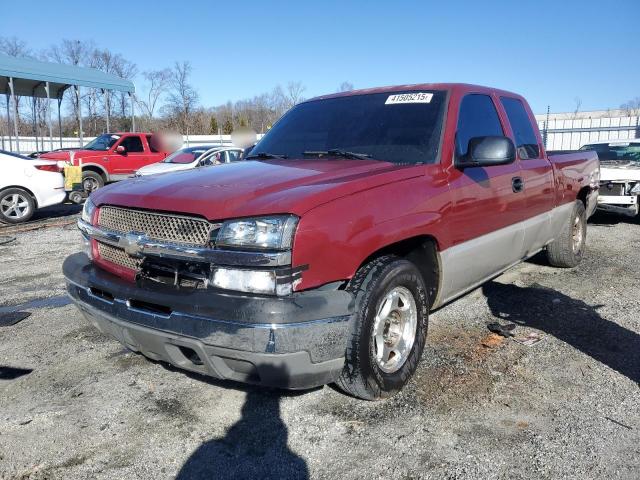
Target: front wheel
<point x="388" y="330"/>
<point x="567" y="249"/>
<point x="91" y="181"/>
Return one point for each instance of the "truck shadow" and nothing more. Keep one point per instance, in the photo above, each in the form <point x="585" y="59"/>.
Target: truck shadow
<point x="254" y="447"/>
<point x="571" y="321"/>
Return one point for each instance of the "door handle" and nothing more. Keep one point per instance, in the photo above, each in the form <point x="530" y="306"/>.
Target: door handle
<point x="517" y="184"/>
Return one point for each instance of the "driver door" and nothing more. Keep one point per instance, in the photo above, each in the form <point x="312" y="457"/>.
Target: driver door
<point x="488" y="208"/>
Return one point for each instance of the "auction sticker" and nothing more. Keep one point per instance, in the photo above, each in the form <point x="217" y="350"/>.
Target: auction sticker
<point x="416" y="97"/>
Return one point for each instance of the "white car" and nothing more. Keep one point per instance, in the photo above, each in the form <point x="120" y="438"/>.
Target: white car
<point x="619" y="175"/>
<point x="192" y="157"/>
<point x="27" y="184"/>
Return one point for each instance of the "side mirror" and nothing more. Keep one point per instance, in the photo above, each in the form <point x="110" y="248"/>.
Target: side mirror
<point x="121" y="150"/>
<point x="488" y="151"/>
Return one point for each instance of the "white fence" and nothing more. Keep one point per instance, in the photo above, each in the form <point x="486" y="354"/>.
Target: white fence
<point x="571" y="134"/>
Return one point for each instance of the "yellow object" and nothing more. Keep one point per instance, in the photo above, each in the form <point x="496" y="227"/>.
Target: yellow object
<point x="72" y="178"/>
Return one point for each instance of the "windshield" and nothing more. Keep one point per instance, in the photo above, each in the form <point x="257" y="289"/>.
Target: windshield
<point x="400" y="127"/>
<point x="624" y="151"/>
<point x="185" y="155"/>
<point x="103" y="142"/>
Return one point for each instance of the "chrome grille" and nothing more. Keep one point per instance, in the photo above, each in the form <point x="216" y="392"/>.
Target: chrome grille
<point x="118" y="256"/>
<point x="158" y="226"/>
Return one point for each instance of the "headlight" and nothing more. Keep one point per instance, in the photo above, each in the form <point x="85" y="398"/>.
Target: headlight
<point x="636" y="189"/>
<point x="87" y="210"/>
<point x="273" y="232"/>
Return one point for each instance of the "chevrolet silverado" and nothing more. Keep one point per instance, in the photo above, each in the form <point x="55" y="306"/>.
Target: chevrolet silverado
<point x="319" y="258"/>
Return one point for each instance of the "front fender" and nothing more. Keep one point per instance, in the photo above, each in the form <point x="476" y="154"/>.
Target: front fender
<point x="334" y="239"/>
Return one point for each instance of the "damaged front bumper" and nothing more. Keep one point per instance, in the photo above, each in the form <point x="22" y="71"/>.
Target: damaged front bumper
<point x="288" y="342"/>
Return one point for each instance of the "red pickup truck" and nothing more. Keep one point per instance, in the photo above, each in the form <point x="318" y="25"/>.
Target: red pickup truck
<point x="112" y="156"/>
<point x="318" y="259"/>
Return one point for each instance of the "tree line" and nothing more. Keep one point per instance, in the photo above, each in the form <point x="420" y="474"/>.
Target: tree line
<point x="166" y="99"/>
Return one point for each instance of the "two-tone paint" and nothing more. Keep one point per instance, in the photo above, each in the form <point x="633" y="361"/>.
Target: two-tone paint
<point x="351" y="209"/>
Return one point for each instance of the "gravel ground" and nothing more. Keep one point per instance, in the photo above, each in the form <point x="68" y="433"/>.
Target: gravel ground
<point x="74" y="404"/>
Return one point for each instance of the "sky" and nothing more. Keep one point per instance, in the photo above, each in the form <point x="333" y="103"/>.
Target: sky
<point x="552" y="52"/>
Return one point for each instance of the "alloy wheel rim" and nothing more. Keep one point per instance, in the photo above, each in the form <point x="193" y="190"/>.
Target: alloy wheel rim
<point x="577" y="235"/>
<point x="394" y="329"/>
<point x="90" y="184"/>
<point x="14" y="206"/>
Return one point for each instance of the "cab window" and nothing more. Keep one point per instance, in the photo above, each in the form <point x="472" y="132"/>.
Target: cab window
<point x="526" y="140"/>
<point x="133" y="144"/>
<point x="478" y="117"/>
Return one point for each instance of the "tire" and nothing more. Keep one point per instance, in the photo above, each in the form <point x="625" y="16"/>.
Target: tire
<point x="373" y="285"/>
<point x="91" y="181"/>
<point x="567" y="250"/>
<point x="16" y="205"/>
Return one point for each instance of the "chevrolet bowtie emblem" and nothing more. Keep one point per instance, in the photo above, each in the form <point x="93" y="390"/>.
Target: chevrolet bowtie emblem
<point x="132" y="243"/>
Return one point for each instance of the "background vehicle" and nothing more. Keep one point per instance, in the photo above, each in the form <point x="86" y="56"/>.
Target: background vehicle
<point x="193" y="157"/>
<point x="27" y="184"/>
<point x="112" y="157"/>
<point x="319" y="261"/>
<point x="619" y="175"/>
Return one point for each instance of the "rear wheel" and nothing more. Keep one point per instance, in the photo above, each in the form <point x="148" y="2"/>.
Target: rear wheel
<point x="389" y="328"/>
<point x="16" y="205"/>
<point x="91" y="181"/>
<point x="567" y="249"/>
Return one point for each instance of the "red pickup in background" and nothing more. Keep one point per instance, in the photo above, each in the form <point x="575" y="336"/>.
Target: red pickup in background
<point x="112" y="156"/>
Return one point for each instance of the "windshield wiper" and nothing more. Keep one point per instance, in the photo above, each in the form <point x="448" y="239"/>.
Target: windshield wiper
<point x="335" y="152"/>
<point x="265" y="155"/>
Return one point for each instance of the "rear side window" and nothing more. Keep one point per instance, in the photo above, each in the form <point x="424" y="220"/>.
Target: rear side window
<point x="132" y="144"/>
<point x="152" y="143"/>
<point x="478" y="118"/>
<point x="233" y="155"/>
<point x="526" y="141"/>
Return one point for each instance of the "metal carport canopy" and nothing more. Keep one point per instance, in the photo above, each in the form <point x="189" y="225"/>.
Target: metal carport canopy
<point x="29" y="74"/>
<point x="33" y="78"/>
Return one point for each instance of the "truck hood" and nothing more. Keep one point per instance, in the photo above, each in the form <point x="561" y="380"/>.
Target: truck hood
<point x="254" y="187"/>
<point x="84" y="154"/>
<point x="162" y="167"/>
<point x="619" y="171"/>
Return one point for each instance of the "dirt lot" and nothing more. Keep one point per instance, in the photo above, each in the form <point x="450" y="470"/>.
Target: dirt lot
<point x="74" y="404"/>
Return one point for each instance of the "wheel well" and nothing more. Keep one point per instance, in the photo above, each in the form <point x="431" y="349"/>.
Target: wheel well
<point x="98" y="170"/>
<point x="583" y="194"/>
<point x="423" y="252"/>
<point x="35" y="200"/>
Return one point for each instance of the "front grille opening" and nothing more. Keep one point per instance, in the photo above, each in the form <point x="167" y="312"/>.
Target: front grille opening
<point x="175" y="273"/>
<point x="104" y="295"/>
<point x="154" y="308"/>
<point x="191" y="355"/>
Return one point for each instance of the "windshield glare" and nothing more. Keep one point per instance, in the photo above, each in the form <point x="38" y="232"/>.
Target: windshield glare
<point x="398" y="127"/>
<point x="103" y="142"/>
<point x="185" y="155"/>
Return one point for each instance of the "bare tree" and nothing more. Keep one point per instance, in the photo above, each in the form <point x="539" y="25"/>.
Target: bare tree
<point x="183" y="98"/>
<point x="632" y="107"/>
<point x="158" y="82"/>
<point x="578" y="102"/>
<point x="294" y="93"/>
<point x="345" y="87"/>
<point x="14" y="47"/>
